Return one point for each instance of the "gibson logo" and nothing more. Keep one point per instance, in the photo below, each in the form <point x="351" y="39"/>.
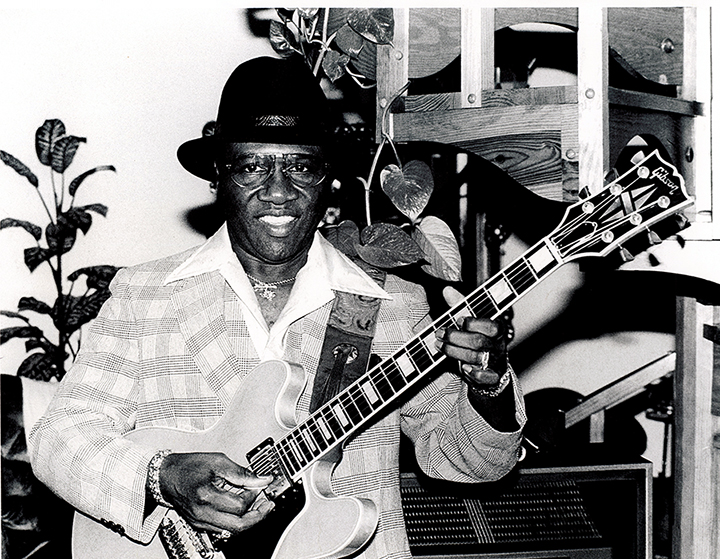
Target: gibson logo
<point x="664" y="177"/>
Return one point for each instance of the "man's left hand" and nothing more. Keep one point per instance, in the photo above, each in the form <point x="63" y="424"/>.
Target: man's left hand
<point x="479" y="344"/>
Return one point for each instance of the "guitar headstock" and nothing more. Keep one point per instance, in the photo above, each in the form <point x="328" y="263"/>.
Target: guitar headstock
<point x="648" y="193"/>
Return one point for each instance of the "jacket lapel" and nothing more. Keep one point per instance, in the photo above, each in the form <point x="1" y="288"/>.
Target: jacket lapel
<point x="199" y="302"/>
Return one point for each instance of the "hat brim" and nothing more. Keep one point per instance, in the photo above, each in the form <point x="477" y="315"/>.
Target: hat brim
<point x="198" y="157"/>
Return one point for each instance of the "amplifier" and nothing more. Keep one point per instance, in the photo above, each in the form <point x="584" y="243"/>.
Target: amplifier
<point x="593" y="512"/>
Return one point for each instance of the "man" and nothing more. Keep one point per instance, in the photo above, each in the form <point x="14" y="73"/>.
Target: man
<point x="176" y="340"/>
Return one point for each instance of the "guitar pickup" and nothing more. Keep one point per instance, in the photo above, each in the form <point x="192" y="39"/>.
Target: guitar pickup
<point x="264" y="461"/>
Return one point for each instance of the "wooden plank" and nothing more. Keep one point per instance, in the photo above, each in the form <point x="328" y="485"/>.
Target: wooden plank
<point x="560" y="95"/>
<point x="457" y="125"/>
<point x="477" y="72"/>
<point x="533" y="160"/>
<point x="621" y="389"/>
<point x="434" y="40"/>
<point x="392" y="68"/>
<point x="692" y="463"/>
<point x="504" y="17"/>
<point x="651" y="102"/>
<point x="639" y="35"/>
<point x="593" y="125"/>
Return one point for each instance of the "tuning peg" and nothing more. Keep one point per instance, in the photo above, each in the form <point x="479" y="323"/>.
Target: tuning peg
<point x="653" y="238"/>
<point x="682" y="221"/>
<point x="626" y="255"/>
<point x="584" y="193"/>
<point x="611" y="176"/>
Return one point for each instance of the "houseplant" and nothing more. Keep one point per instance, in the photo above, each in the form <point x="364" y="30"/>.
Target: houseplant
<point x="73" y="306"/>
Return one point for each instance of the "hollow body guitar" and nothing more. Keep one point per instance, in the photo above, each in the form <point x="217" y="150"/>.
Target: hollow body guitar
<point x="259" y="428"/>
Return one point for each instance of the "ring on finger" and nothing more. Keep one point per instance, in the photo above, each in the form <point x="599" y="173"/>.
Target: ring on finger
<point x="484" y="360"/>
<point x="224" y="535"/>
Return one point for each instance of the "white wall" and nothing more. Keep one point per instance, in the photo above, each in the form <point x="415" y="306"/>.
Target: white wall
<point x="136" y="81"/>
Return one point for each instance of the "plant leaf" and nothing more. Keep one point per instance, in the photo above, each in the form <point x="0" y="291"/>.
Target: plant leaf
<point x="32" y="304"/>
<point x="45" y="345"/>
<point x="12" y="314"/>
<point x="387" y="246"/>
<point x="79" y="310"/>
<point x="377" y="25"/>
<point x="282" y="39"/>
<point x="61" y="236"/>
<point x="19" y="332"/>
<point x="19" y="167"/>
<point x="348" y="41"/>
<point x="97" y="277"/>
<point x="101" y="209"/>
<point x="410" y="188"/>
<point x="31" y="228"/>
<point x="308" y="13"/>
<point x="38" y="366"/>
<point x="334" y="64"/>
<point x="344" y="236"/>
<point x="63" y="152"/>
<point x="45" y="138"/>
<point x="34" y="256"/>
<point x="440" y="247"/>
<point x="77" y="181"/>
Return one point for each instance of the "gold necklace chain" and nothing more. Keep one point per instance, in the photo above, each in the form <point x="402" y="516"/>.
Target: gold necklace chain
<point x="266" y="289"/>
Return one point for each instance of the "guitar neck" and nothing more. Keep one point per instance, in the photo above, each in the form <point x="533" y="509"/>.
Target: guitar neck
<point x="348" y="411"/>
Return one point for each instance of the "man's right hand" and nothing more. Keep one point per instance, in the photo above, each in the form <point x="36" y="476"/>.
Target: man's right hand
<point x="213" y="493"/>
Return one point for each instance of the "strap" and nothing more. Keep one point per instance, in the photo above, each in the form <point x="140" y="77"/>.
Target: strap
<point x="348" y="337"/>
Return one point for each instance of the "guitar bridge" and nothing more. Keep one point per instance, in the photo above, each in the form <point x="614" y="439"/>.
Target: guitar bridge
<point x="264" y="461"/>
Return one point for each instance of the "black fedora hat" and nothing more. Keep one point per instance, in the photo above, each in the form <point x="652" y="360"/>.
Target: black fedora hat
<point x="265" y="100"/>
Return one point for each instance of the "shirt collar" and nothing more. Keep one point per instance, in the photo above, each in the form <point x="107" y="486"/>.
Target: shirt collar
<point x="326" y="265"/>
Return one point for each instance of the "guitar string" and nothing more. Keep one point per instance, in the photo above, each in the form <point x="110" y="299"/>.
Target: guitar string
<point x="517" y="277"/>
<point x="597" y="235"/>
<point x="600" y="208"/>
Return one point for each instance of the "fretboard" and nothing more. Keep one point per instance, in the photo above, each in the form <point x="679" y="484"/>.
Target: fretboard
<point x="344" y="414"/>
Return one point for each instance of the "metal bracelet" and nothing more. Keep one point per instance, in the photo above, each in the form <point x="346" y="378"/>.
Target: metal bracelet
<point x="494" y="391"/>
<point x="153" y="477"/>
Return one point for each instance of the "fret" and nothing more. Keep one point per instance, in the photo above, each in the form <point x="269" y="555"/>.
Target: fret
<point x="394" y="376"/>
<point x="519" y="278"/>
<point x="459" y="316"/>
<point x="340" y="414"/>
<point x="288" y="453"/>
<point x="306" y="455"/>
<point x="293" y="444"/>
<point x="422" y="359"/>
<point x="542" y="260"/>
<point x="324" y="428"/>
<point x="405" y="364"/>
<point x="320" y="444"/>
<point x="370" y="393"/>
<point x="309" y="441"/>
<point x="333" y="420"/>
<point x="349" y="403"/>
<point x="382" y="384"/>
<point x="500" y="291"/>
<point x="361" y="404"/>
<point x="429" y="341"/>
<point x="530" y="267"/>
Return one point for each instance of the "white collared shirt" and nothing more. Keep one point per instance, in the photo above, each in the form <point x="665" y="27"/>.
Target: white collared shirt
<point x="326" y="271"/>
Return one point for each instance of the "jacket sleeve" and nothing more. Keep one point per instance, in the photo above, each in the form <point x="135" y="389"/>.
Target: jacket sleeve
<point x="452" y="441"/>
<point x="78" y="449"/>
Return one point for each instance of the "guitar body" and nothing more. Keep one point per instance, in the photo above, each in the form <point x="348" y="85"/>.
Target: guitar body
<point x="327" y="526"/>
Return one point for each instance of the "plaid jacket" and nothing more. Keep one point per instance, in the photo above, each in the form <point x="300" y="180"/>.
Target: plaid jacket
<point x="173" y="353"/>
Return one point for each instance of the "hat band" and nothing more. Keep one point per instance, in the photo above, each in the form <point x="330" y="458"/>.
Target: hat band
<point x="276" y="120"/>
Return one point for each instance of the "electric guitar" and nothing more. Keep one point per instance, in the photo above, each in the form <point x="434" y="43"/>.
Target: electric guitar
<point x="259" y="429"/>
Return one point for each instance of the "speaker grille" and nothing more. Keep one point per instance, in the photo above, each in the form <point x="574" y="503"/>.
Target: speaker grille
<point x="531" y="511"/>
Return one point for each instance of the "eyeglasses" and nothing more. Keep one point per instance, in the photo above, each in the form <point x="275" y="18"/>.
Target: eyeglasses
<point x="254" y="170"/>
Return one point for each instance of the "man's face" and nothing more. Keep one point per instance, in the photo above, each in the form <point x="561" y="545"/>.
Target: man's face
<point x="272" y="207"/>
